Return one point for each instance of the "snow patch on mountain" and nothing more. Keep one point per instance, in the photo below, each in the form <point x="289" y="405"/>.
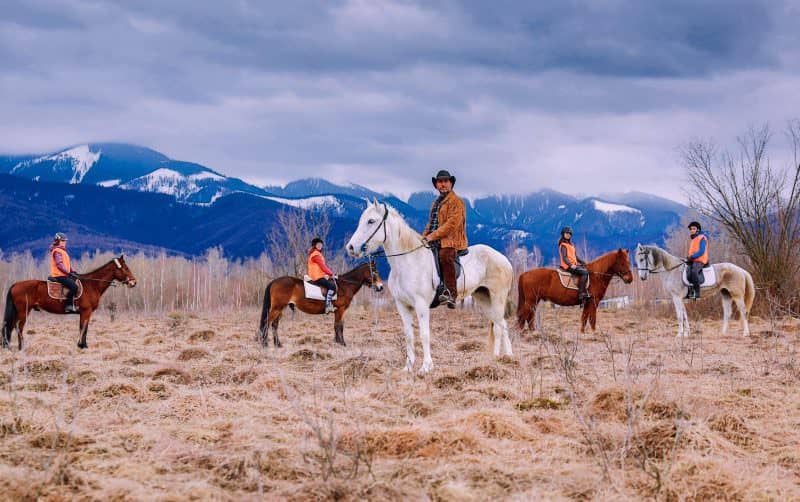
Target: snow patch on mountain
<point x="310" y="202"/>
<point x="165" y="181"/>
<point x="206" y="175"/>
<point x="608" y="208"/>
<point x="108" y="183"/>
<point x="80" y="159"/>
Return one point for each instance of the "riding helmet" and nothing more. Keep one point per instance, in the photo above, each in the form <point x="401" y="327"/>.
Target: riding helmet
<point x="315" y="240"/>
<point x="59" y="237"/>
<point x="565" y="230"/>
<point x="695" y="224"/>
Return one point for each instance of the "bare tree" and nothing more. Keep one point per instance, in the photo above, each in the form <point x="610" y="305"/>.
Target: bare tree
<point x="289" y="239"/>
<point x="756" y="203"/>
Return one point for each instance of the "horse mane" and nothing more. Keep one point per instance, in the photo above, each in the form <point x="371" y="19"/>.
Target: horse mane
<point x="600" y="264"/>
<point x="407" y="237"/>
<point x="666" y="259"/>
<point x="101" y="267"/>
<point x="354" y="269"/>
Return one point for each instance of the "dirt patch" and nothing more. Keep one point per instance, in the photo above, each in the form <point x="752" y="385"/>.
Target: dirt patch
<point x="733" y="428"/>
<point x="486" y="372"/>
<point x="202" y="336"/>
<point x="411" y="442"/>
<point x="45" y="367"/>
<point x="173" y="375"/>
<point x="471" y="346"/>
<point x="540" y="403"/>
<point x="309" y="355"/>
<point x="189" y="354"/>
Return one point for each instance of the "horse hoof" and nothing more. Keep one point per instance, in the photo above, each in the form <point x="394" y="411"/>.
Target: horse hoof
<point x="278" y="345"/>
<point x="82" y="345"/>
<point x="340" y="342"/>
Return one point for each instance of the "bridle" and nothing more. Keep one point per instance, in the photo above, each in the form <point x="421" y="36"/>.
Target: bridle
<point x="382" y="254"/>
<point x="372" y="272"/>
<point x="647" y="254"/>
<point x="126" y="282"/>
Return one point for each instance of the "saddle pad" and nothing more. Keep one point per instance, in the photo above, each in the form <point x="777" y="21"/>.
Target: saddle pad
<point x="312" y="291"/>
<point x="568" y="280"/>
<point x="708" y="276"/>
<point x="58" y="292"/>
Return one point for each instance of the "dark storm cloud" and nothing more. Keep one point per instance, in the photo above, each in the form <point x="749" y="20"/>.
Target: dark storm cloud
<point x="386" y="91"/>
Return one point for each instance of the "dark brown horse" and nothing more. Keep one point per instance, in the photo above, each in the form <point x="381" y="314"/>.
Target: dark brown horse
<point x="288" y="290"/>
<point x="25" y="296"/>
<point x="544" y="284"/>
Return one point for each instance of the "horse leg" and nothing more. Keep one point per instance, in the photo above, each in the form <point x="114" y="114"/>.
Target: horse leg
<point x="274" y="325"/>
<point x="424" y="323"/>
<point x="584" y="318"/>
<point x="407" y="316"/>
<point x="21" y="318"/>
<point x="84" y="328"/>
<point x="744" y="314"/>
<point x="727" y="308"/>
<point x="338" y="327"/>
<point x="537" y="317"/>
<point x="500" y="324"/>
<point x="593" y="315"/>
<point x="680" y="313"/>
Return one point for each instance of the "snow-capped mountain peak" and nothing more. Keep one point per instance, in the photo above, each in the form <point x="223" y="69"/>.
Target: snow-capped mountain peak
<point x="74" y="162"/>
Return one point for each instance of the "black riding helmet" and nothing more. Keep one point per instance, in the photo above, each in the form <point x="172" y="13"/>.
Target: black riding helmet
<point x="566" y="230"/>
<point x="695" y="224"/>
<point x="316" y="240"/>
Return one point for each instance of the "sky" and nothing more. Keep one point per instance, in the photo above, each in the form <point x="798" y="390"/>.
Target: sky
<point x="509" y="96"/>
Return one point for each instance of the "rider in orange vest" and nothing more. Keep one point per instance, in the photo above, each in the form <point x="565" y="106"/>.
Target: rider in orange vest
<point x="320" y="274"/>
<point x="696" y="258"/>
<point x="571" y="263"/>
<point x="61" y="271"/>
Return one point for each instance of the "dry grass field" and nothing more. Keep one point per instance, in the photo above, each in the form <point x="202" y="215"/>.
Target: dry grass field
<point x="182" y="406"/>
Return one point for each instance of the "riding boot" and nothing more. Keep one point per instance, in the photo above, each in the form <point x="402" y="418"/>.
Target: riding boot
<point x="582" y="293"/>
<point x="70" y="307"/>
<point x="447" y="261"/>
<point x="329" y="302"/>
<point x="696" y="291"/>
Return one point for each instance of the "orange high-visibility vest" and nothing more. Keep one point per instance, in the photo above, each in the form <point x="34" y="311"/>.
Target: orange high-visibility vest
<point x="571" y="255"/>
<point x="694" y="246"/>
<point x="314" y="270"/>
<point x="54" y="270"/>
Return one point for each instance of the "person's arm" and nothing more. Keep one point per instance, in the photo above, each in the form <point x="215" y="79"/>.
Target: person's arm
<point x="700" y="252"/>
<point x="319" y="261"/>
<point x="60" y="263"/>
<point x="451" y="223"/>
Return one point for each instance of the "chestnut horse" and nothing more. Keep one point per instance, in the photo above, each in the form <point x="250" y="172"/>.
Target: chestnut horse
<point x="289" y="291"/>
<point x="25" y="296"/>
<point x="544" y="284"/>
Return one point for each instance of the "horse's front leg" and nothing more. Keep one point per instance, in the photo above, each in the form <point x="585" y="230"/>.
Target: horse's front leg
<point x="338" y="326"/>
<point x="593" y="316"/>
<point x="84" y="328"/>
<point x="680" y="313"/>
<point x="20" y="326"/>
<point x="424" y="322"/>
<point x="407" y="316"/>
<point x="584" y="317"/>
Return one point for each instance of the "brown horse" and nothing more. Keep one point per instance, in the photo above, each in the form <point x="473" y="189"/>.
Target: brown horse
<point x="288" y="290"/>
<point x="25" y="296"/>
<point x="544" y="284"/>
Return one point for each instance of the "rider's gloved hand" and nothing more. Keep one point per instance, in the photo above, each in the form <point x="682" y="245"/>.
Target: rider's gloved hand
<point x="73" y="274"/>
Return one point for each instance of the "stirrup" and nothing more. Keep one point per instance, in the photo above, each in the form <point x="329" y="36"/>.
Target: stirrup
<point x="329" y="308"/>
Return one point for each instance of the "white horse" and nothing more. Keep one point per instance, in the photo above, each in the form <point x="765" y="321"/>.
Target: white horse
<point x="733" y="282"/>
<point x="486" y="275"/>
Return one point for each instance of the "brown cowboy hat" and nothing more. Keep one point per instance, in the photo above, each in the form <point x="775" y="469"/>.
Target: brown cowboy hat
<point x="443" y="175"/>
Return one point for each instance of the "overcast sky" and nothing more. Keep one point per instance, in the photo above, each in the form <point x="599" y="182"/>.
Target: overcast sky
<point x="510" y="96"/>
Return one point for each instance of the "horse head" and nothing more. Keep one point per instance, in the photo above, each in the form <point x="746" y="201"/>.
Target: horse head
<point x="122" y="273"/>
<point x="375" y="278"/>
<point x="371" y="231"/>
<point x="644" y="261"/>
<point x="622" y="266"/>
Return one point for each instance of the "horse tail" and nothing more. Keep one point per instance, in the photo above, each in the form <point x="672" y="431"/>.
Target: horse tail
<point x="521" y="314"/>
<point x="262" y="326"/>
<point x="749" y="293"/>
<point x="8" y="318"/>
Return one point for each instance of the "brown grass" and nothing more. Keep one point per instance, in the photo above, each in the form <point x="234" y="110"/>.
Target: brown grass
<point x="185" y="406"/>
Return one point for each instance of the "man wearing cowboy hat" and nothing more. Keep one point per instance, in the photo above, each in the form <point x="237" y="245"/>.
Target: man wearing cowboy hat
<point x="447" y="234"/>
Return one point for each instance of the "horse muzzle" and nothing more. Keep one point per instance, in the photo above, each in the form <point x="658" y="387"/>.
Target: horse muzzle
<point x="378" y="287"/>
<point x="131" y="283"/>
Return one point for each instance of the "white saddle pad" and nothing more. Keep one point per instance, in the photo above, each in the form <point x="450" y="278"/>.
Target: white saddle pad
<point x="312" y="291"/>
<point x="709" y="277"/>
<point x="568" y="280"/>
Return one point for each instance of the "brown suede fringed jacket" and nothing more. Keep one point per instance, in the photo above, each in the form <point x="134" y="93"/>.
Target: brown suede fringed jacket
<point x="452" y="231"/>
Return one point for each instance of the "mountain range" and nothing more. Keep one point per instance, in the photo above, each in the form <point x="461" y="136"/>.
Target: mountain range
<point x="130" y="197"/>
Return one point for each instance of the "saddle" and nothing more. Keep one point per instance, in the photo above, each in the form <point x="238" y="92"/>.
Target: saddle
<point x="570" y="281"/>
<point x="57" y="291"/>
<point x="459" y="267"/>
<point x="707" y="276"/>
<point x="312" y="291"/>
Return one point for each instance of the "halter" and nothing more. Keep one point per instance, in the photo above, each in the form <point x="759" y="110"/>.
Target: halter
<point x="382" y="225"/>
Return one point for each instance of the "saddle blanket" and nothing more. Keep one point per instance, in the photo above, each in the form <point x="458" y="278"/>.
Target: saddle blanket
<point x="312" y="291"/>
<point x="58" y="292"/>
<point x="708" y="276"/>
<point x="570" y="281"/>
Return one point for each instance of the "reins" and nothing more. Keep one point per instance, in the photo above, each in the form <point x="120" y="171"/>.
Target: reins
<point x="382" y="253"/>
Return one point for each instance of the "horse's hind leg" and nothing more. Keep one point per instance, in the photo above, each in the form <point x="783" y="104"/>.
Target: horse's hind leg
<point x="21" y="318"/>
<point x="744" y="314"/>
<point x="274" y="323"/>
<point x="727" y="308"/>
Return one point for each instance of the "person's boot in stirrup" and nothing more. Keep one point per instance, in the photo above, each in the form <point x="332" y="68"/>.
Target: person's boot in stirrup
<point x="448" y="265"/>
<point x="329" y="302"/>
<point x="70" y="307"/>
